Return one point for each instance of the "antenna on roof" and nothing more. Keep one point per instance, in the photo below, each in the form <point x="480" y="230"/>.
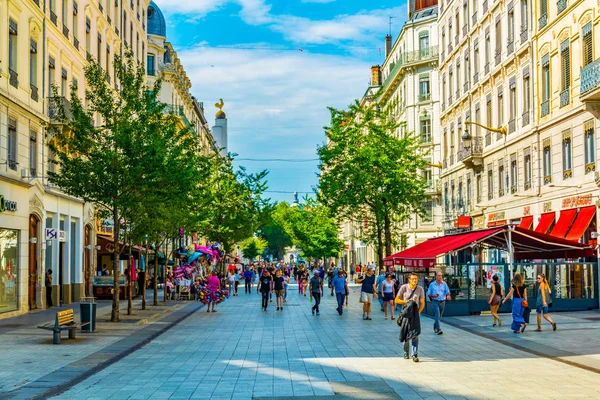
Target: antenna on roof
<point x="391" y="18"/>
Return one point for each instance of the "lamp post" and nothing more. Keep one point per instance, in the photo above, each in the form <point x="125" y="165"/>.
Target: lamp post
<point x="502" y="130"/>
<point x="145" y="272"/>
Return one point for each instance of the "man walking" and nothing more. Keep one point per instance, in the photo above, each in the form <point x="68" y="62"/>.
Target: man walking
<point x="367" y="292"/>
<point x="248" y="280"/>
<point x="340" y="285"/>
<point x="49" y="288"/>
<point x="265" y="286"/>
<point x="316" y="291"/>
<point x="412" y="299"/>
<point x="438" y="292"/>
<point x="380" y="279"/>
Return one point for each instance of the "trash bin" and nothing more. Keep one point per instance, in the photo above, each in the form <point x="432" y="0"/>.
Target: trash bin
<point x="88" y="313"/>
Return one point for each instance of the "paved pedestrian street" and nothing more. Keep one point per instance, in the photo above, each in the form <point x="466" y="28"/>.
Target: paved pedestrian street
<point x="241" y="352"/>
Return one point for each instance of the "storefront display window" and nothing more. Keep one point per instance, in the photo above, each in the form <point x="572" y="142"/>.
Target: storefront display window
<point x="574" y="281"/>
<point x="8" y="270"/>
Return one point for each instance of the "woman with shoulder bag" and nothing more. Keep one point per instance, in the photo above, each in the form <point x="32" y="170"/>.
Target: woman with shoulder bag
<point x="495" y="300"/>
<point x="519" y="294"/>
<point x="543" y="300"/>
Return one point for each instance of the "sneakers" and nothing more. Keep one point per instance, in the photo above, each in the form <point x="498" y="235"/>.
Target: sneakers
<point x="415" y="358"/>
<point x="523" y="326"/>
<point x="313" y="311"/>
<point x="368" y="319"/>
<point x="440" y="332"/>
<point x="435" y="330"/>
<point x="364" y="317"/>
<point x="406" y="357"/>
<point x="318" y="313"/>
<point x="554" y="326"/>
<point x="277" y="308"/>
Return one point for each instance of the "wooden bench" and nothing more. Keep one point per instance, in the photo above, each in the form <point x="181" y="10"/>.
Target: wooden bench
<point x="65" y="320"/>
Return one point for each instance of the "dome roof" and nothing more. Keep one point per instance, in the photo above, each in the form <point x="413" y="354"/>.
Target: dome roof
<point x="156" y="21"/>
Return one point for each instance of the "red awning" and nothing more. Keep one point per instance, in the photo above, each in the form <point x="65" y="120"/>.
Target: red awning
<point x="564" y="223"/>
<point x="545" y="222"/>
<point x="526" y="222"/>
<point x="424" y="254"/>
<point x="527" y="245"/>
<point x="584" y="218"/>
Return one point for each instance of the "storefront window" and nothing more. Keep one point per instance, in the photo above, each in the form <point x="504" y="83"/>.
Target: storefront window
<point x="8" y="270"/>
<point x="480" y="278"/>
<point x="574" y="281"/>
<point x="456" y="278"/>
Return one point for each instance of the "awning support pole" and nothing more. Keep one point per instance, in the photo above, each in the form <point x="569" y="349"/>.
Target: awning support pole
<point x="511" y="258"/>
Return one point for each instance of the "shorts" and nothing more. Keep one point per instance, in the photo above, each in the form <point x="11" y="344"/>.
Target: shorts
<point x="279" y="293"/>
<point x="366" y="297"/>
<point x="388" y="296"/>
<point x="541" y="310"/>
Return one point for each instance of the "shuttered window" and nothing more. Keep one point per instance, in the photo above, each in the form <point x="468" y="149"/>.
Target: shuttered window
<point x="12" y="144"/>
<point x="565" y="65"/>
<point x="587" y="44"/>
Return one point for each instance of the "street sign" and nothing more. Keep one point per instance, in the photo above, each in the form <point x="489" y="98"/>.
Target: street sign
<point x="51" y="234"/>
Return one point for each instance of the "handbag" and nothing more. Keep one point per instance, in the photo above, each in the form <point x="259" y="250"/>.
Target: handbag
<point x="399" y="319"/>
<point x="524" y="301"/>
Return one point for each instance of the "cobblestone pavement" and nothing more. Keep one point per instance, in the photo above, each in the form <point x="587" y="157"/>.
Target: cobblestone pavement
<point x="241" y="353"/>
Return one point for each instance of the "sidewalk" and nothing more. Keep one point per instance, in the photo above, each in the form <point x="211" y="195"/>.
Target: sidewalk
<point x="32" y="365"/>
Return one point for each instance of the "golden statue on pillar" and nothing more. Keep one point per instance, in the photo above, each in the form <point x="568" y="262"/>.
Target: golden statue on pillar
<point x="220" y="105"/>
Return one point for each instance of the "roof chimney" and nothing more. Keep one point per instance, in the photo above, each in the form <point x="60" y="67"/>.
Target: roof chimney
<point x="376" y="75"/>
<point x="388" y="45"/>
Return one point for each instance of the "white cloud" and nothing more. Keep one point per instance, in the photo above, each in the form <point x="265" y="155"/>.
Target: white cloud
<point x="198" y="7"/>
<point x="317" y="1"/>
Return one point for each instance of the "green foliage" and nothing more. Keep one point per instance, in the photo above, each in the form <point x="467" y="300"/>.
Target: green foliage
<point x="368" y="173"/>
<point x="253" y="247"/>
<point x="274" y="232"/>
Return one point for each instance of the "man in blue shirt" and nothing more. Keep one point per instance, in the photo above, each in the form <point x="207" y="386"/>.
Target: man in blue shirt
<point x="339" y="285"/>
<point x="438" y="292"/>
<point x="248" y="275"/>
<point x="378" y="282"/>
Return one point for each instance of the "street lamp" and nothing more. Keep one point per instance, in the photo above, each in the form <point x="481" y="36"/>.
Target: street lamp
<point x="565" y="186"/>
<point x="502" y="130"/>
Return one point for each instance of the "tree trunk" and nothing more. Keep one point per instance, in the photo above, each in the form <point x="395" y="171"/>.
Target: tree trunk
<point x="387" y="226"/>
<point x="130" y="281"/>
<point x="155" y="283"/>
<point x="379" y="240"/>
<point x="165" y="273"/>
<point x="114" y="317"/>
<point x="145" y="278"/>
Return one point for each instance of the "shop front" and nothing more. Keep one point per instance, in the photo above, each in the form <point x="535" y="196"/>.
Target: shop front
<point x="573" y="271"/>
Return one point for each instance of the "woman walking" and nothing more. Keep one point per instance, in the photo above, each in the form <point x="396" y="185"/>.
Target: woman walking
<point x="286" y="282"/>
<point x="495" y="299"/>
<point x="543" y="299"/>
<point x="213" y="285"/>
<point x="519" y="295"/>
<point x="389" y="294"/>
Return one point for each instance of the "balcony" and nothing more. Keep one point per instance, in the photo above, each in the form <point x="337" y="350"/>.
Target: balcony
<point x="76" y="43"/>
<point x="511" y="126"/>
<point x="565" y="97"/>
<point x="527" y="185"/>
<point x="178" y="111"/>
<point x="410" y="58"/>
<point x="590" y="87"/>
<point x="524" y="34"/>
<point x="466" y="87"/>
<point x="449" y="49"/>
<point x="54" y="105"/>
<point x="474" y="18"/>
<point x="472" y="152"/>
<point x="490" y="195"/>
<point x="423" y="97"/>
<point x="37" y="2"/>
<point x="487" y="68"/>
<point x="53" y="18"/>
<point x="456" y="39"/>
<point x="34" y="92"/>
<point x="525" y="118"/>
<point x="89" y="57"/>
<point x="488" y="139"/>
<point x="543" y="21"/>
<point x="457" y="94"/>
<point x="510" y="47"/>
<point x="498" y="57"/>
<point x="500" y="192"/>
<point x="465" y="29"/>
<point x="451" y="160"/>
<point x="109" y="20"/>
<point x="545" y="108"/>
<point x="65" y="31"/>
<point x="100" y="8"/>
<point x="117" y="31"/>
<point x="513" y="189"/>
<point x="14" y="78"/>
<point x="475" y="77"/>
<point x="561" y="5"/>
<point x="485" y="6"/>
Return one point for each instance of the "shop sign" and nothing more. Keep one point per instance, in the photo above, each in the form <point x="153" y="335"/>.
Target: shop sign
<point x="62" y="236"/>
<point x="478" y="222"/>
<point x="464" y="221"/>
<point x="496" y="219"/>
<point x="53" y="234"/>
<point x="7" y="205"/>
<point x="526" y="211"/>
<point x="547" y="207"/>
<point x="577" y="201"/>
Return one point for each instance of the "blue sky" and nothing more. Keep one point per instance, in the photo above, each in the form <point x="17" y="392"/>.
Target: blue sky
<point x="278" y="65"/>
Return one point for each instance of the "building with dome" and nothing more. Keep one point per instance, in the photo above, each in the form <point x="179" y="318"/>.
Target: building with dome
<point x="162" y="60"/>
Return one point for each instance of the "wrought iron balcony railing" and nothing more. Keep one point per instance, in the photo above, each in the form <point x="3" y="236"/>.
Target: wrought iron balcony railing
<point x="498" y="57"/>
<point x="14" y="78"/>
<point x="424" y="97"/>
<point x="53" y="107"/>
<point x="524" y="34"/>
<point x="561" y="5"/>
<point x="511" y="126"/>
<point x="590" y="77"/>
<point x="543" y="21"/>
<point x="53" y="18"/>
<point x="34" y="92"/>
<point x="510" y="47"/>
<point x="565" y="97"/>
<point x="545" y="108"/>
<point x="525" y="118"/>
<point x="76" y="43"/>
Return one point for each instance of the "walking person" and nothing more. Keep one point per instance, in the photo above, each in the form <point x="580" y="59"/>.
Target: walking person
<point x="543" y="299"/>
<point x="438" y="292"/>
<point x="495" y="299"/>
<point x="213" y="285"/>
<point x="340" y="285"/>
<point x="231" y="281"/>
<point x="248" y="280"/>
<point x="411" y="297"/>
<point x="279" y="283"/>
<point x="367" y="292"/>
<point x="518" y="292"/>
<point x="286" y="282"/>
<point x="265" y="285"/>
<point x="352" y="272"/>
<point x="389" y="294"/>
<point x="380" y="279"/>
<point x="330" y="276"/>
<point x="300" y="279"/>
<point x="49" y="289"/>
<point x="316" y="291"/>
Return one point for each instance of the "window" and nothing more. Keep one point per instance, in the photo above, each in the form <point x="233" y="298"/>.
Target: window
<point x="64" y="86"/>
<point x="125" y="27"/>
<point x="12" y="145"/>
<point x="545" y="106"/>
<point x="446" y="199"/>
<point x="461" y="203"/>
<point x="587" y="44"/>
<point x="543" y="20"/>
<point x="488" y="51"/>
<point x="501" y="179"/>
<point x="13" y="45"/>
<point x="424" y="91"/>
<point x="65" y="12"/>
<point x="444" y="90"/>
<point x="476" y="62"/>
<point x="567" y="154"/>
<point x="511" y="29"/>
<point x="9" y="248"/>
<point x="33" y="69"/>
<point x="526" y="95"/>
<point x="469" y="193"/>
<point x="428" y="177"/>
<point x="465" y="18"/>
<point x="99" y="50"/>
<point x="489" y="121"/>
<point x="75" y="23"/>
<point x="150" y="65"/>
<point x="590" y="146"/>
<point x="426" y="136"/>
<point x="450" y="85"/>
<point x="51" y="66"/>
<point x="565" y="72"/>
<point x="88" y="37"/>
<point x="490" y="183"/>
<point x="524" y="20"/>
<point x="33" y="153"/>
<point x="458" y="79"/>
<point x="527" y="168"/>
<point x="466" y="73"/>
<point x="547" y="162"/>
<point x="498" y="40"/>
<point x="478" y="120"/>
<point x="427" y="211"/>
<point x="512" y="104"/>
<point x="514" y="174"/>
<point x="500" y="110"/>
<point x="423" y="41"/>
<point x="478" y="188"/>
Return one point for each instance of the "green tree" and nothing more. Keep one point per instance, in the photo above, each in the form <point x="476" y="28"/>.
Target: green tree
<point x="369" y="173"/>
<point x="118" y="149"/>
<point x="253" y="247"/>
<point x="273" y="231"/>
